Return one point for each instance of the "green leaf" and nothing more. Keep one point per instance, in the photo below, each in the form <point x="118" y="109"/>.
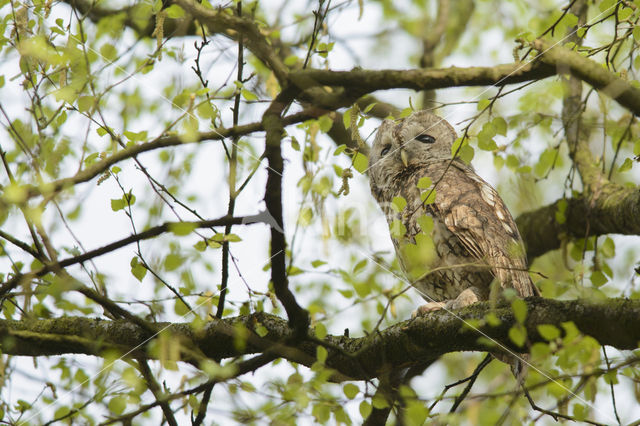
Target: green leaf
<point x="611" y="377"/>
<point x="398" y="204"/>
<point x="560" y="212"/>
<point x="66" y="93"/>
<point x="492" y="319"/>
<point x="365" y="409"/>
<point x="325" y="123"/>
<point x="483" y="103"/>
<point x="118" y="404"/>
<point x="291" y="60"/>
<point x="317" y="263"/>
<point x="180" y="308"/>
<point x="544" y="164"/>
<point x="261" y="330"/>
<point x="362" y="289"/>
<point x="346" y="119"/>
<point x="500" y="126"/>
<point x="626" y="165"/>
<point x="321" y="354"/>
<point x="350" y="390"/>
<point x="62" y="411"/>
<point x="598" y="279"/>
<point x="347" y="294"/>
<point x="426" y="223"/>
<point x="321" y="331"/>
<point x="91" y="158"/>
<point x="321" y="412"/>
<point x="129" y="199"/>
<point x="608" y="248"/>
<point x="428" y="197"/>
<point x="580" y="412"/>
<point x="137" y="269"/>
<point x="360" y="162"/>
<point x="101" y="131"/>
<point x="519" y="310"/>
<point x="359" y="266"/>
<point x="424" y="182"/>
<point x="624" y="13"/>
<point x="369" y="107"/>
<point x="85" y="103"/>
<point x="548" y="332"/>
<point x="485" y="137"/>
<point x="108" y="52"/>
<point x="135" y="136"/>
<point x="248" y="95"/>
<point x="117" y="204"/>
<point x="339" y="149"/>
<point x="379" y="401"/>
<point x="305" y="217"/>
<point x="405" y="112"/>
<point x="462" y="150"/>
<point x="397" y="229"/>
<point x="174" y="11"/>
<point x="607" y="5"/>
<point x="513" y="162"/>
<point x="206" y="111"/>
<point x="416" y="412"/>
<point x="518" y="335"/>
<point x="182" y="228"/>
<point x="172" y="261"/>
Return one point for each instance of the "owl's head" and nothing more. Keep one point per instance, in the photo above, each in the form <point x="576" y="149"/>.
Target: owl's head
<point x="416" y="140"/>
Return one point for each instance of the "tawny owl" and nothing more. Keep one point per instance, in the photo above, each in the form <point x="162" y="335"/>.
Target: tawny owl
<point x="473" y="237"/>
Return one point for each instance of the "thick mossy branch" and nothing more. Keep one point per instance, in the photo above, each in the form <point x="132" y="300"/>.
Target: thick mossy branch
<point x="614" y="209"/>
<point x="613" y="322"/>
<point x="569" y="61"/>
<point x="366" y="81"/>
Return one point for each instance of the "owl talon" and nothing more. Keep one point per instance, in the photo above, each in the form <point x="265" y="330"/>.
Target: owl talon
<point x="429" y="307"/>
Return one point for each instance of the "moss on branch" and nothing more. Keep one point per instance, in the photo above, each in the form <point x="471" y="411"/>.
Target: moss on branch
<point x="614" y="209"/>
<point x="569" y="61"/>
<point x="422" y="79"/>
<point x="614" y="322"/>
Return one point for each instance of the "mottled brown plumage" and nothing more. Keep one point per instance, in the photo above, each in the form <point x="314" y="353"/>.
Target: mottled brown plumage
<point x="473" y="239"/>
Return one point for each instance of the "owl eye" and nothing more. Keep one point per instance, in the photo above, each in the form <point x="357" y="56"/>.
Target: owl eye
<point x="385" y="150"/>
<point x="426" y="138"/>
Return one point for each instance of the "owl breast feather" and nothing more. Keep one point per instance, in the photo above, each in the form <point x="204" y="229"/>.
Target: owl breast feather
<point x="436" y="263"/>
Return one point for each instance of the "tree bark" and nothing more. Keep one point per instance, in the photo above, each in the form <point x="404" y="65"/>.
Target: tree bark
<point x="613" y="322"/>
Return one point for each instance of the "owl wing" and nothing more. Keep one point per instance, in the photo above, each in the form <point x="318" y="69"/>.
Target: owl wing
<point x="472" y="210"/>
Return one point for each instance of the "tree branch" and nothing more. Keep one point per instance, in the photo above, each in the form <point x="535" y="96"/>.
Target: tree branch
<point x="160" y="142"/>
<point x="613" y="209"/>
<point x="232" y="26"/>
<point x="367" y="81"/>
<point x="144" y="235"/>
<point x="613" y="322"/>
<point x="272" y="121"/>
<point x="565" y="60"/>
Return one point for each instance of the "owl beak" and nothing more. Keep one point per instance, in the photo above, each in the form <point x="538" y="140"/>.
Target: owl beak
<point x="404" y="157"/>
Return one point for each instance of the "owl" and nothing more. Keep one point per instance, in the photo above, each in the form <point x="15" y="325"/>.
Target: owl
<point x="453" y="246"/>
